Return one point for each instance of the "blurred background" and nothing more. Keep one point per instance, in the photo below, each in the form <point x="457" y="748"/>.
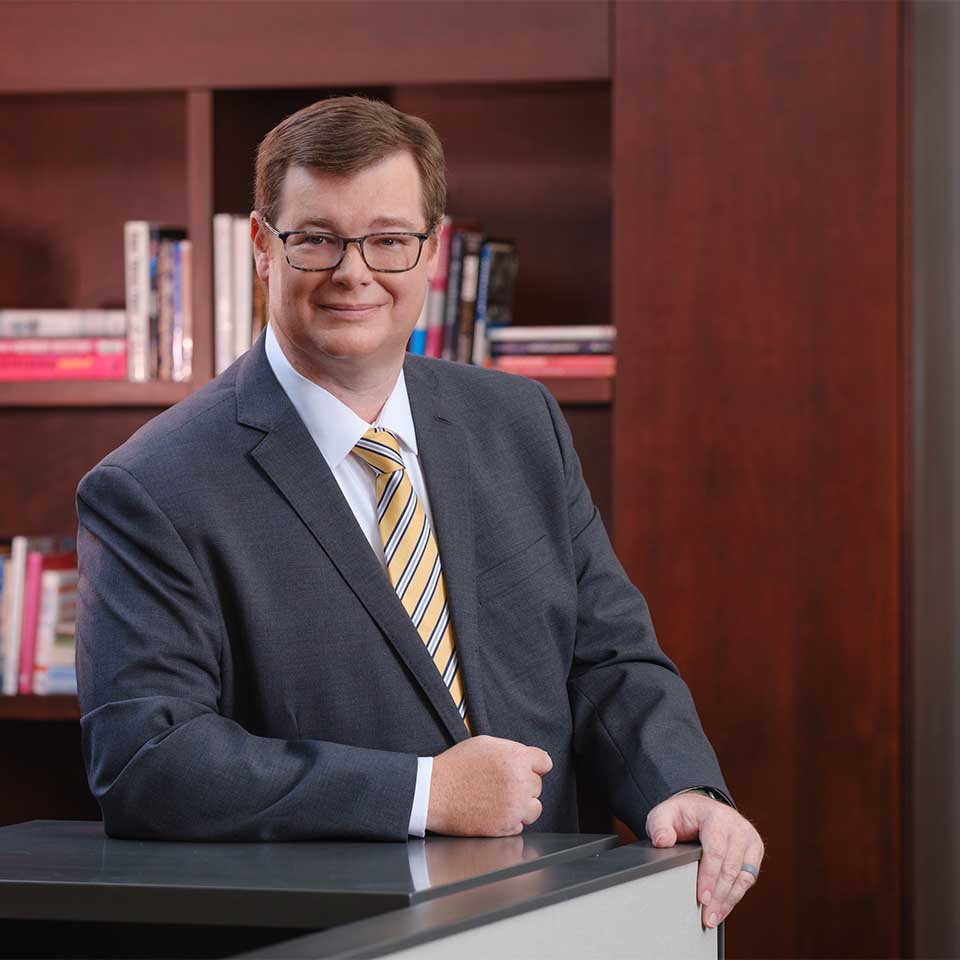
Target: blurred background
<point x="761" y="197"/>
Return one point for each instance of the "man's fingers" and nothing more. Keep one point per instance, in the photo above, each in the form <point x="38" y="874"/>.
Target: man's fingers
<point x="714" y="844"/>
<point x="536" y="786"/>
<point x="540" y="761"/>
<point x="532" y="811"/>
<point x="745" y="879"/>
<point x="660" y="826"/>
<point x="733" y="854"/>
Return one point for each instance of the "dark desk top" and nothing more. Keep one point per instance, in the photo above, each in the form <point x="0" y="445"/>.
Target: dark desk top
<point x="69" y="870"/>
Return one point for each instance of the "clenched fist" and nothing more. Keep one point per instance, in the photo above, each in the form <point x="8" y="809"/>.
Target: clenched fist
<point x="486" y="787"/>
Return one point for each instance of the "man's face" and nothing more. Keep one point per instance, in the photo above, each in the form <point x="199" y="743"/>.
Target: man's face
<point x="349" y="316"/>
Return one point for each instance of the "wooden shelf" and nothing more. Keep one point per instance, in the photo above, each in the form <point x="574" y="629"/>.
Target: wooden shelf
<point x="100" y="393"/>
<point x="54" y="707"/>
<point x="592" y="391"/>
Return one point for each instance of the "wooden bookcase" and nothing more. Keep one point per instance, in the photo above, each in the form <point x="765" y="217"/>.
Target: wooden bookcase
<point x="142" y="137"/>
<point x="741" y="170"/>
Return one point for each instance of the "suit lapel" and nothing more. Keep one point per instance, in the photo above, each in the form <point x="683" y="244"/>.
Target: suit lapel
<point x="290" y="458"/>
<point x="445" y="457"/>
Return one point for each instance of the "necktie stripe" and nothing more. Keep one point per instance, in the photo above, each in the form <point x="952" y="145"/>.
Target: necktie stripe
<point x="412" y="558"/>
<point x="390" y="487"/>
<point x="413" y="564"/>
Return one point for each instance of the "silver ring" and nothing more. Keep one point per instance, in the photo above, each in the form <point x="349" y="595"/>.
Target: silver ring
<point x="750" y="868"/>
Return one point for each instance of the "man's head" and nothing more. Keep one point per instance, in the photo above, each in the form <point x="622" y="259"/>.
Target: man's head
<point x="343" y="135"/>
<point x="346" y="168"/>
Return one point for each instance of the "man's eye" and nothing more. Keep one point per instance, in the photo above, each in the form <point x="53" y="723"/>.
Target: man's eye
<point x="311" y="240"/>
<point x="393" y="242"/>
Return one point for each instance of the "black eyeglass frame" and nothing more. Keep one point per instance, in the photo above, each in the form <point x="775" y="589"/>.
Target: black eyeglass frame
<point x="345" y="242"/>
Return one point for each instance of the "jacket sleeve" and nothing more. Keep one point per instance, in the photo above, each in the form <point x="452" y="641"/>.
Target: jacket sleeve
<point x="635" y="724"/>
<point x="161" y="759"/>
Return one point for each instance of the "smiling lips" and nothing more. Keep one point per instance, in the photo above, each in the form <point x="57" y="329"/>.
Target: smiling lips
<point x="350" y="309"/>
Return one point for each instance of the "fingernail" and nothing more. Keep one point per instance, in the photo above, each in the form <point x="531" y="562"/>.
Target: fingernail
<point x="660" y="838"/>
<point x="705" y="899"/>
<point x="713" y="919"/>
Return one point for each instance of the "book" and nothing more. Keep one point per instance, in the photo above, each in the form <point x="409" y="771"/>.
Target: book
<point x="160" y="238"/>
<point x="558" y="366"/>
<point x="63" y="358"/>
<point x="498" y="268"/>
<point x="570" y="332"/>
<point x="142" y="272"/>
<point x="470" y="275"/>
<point x="55" y="666"/>
<point x="165" y="298"/>
<point x="223" y="335"/>
<point x="182" y="336"/>
<point x="242" y="273"/>
<point x="136" y="256"/>
<point x="451" y="307"/>
<point x="418" y="336"/>
<point x="37" y="563"/>
<point x="500" y="348"/>
<point x="11" y="604"/>
<point x="63" y="323"/>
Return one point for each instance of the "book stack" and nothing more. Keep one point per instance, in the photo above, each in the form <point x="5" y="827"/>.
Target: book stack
<point x="158" y="267"/>
<point x="240" y="306"/>
<point x="63" y="345"/>
<point x="568" y="351"/>
<point x="471" y="292"/>
<point x="38" y="592"/>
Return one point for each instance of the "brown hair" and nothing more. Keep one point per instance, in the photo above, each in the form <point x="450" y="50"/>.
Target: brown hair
<point x="343" y="135"/>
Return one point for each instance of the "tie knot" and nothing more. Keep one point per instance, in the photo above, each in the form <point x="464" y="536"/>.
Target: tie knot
<point x="380" y="449"/>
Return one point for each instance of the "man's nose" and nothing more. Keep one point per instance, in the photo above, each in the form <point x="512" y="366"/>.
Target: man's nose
<point x="352" y="266"/>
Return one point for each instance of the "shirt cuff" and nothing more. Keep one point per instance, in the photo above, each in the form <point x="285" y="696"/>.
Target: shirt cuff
<point x="421" y="797"/>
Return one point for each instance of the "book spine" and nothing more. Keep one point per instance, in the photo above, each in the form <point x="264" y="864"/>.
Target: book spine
<point x="242" y="286"/>
<point x="501" y="348"/>
<point x="153" y="308"/>
<point x="479" y="347"/>
<point x="468" y="295"/>
<point x="136" y="235"/>
<point x="451" y="309"/>
<point x="95" y="359"/>
<point x="186" y="310"/>
<point x="63" y="323"/>
<point x="165" y="308"/>
<point x="223" y="291"/>
<point x="558" y="366"/>
<point x="572" y="332"/>
<point x="437" y="294"/>
<point x="13" y="616"/>
<point x="28" y="634"/>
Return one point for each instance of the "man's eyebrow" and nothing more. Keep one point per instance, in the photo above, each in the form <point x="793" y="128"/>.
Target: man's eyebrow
<point x="378" y="223"/>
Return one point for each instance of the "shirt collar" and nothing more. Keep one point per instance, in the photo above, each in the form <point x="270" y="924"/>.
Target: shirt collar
<point x="335" y="428"/>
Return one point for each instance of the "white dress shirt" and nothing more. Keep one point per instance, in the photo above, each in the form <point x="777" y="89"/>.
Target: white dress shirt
<point x="335" y="429"/>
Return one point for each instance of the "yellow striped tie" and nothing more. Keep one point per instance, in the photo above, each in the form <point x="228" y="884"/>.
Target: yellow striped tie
<point x="413" y="561"/>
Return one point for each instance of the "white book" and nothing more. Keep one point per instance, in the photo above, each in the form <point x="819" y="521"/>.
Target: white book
<point x="223" y="338"/>
<point x="573" y="332"/>
<point x="13" y="584"/>
<point x="136" y="248"/>
<point x="242" y="286"/>
<point x="63" y="323"/>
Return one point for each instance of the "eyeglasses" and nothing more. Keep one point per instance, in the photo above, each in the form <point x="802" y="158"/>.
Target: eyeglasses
<point x="311" y="250"/>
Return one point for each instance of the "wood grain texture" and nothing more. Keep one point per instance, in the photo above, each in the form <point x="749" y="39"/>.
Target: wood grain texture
<point x="758" y="501"/>
<point x="73" y="169"/>
<point x="115" y="44"/>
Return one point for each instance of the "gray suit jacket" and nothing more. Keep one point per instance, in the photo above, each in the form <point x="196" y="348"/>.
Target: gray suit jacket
<point x="246" y="670"/>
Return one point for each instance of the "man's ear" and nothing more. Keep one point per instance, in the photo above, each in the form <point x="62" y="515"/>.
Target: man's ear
<point x="260" y="236"/>
<point x="432" y="249"/>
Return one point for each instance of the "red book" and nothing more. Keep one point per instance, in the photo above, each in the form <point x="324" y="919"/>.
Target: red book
<point x="37" y="562"/>
<point x="63" y="358"/>
<point x="558" y="365"/>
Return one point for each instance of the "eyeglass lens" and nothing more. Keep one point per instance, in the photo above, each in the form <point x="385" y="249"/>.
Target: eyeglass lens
<point x="382" y="251"/>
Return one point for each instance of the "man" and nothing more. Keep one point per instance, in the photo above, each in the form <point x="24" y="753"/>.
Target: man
<point x="343" y="592"/>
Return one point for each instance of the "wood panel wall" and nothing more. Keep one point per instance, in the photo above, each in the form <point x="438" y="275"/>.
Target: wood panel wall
<point x="758" y="417"/>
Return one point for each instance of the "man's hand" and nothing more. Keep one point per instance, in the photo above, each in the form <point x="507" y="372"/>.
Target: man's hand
<point x="729" y="843"/>
<point x="486" y="787"/>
